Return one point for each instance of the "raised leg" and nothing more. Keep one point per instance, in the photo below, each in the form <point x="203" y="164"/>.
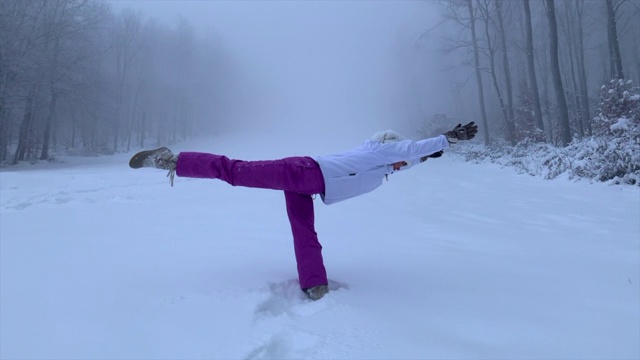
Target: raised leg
<point x="297" y="174"/>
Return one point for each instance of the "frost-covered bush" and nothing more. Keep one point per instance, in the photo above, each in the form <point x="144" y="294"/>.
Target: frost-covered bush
<point x="612" y="154"/>
<point x="526" y="157"/>
<point x="618" y="109"/>
<point x="603" y="159"/>
<point x="594" y="158"/>
<point x="615" y="151"/>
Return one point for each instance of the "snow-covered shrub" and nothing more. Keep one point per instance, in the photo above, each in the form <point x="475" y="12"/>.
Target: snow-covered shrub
<point x="611" y="154"/>
<point x="603" y="159"/>
<point x="618" y="109"/>
<point x="526" y="157"/>
<point x="592" y="158"/>
<point x="615" y="152"/>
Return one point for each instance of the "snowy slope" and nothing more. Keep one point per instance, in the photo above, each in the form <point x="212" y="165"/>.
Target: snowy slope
<point x="447" y="260"/>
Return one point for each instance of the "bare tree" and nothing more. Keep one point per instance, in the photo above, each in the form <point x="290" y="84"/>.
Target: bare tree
<point x="463" y="13"/>
<point x="612" y="35"/>
<point x="531" y="66"/>
<point x="507" y="71"/>
<point x="126" y="50"/>
<point x="476" y="63"/>
<point x="28" y="75"/>
<point x="571" y="58"/>
<point x="635" y="44"/>
<point x="56" y="27"/>
<point x="26" y="127"/>
<point x="484" y="6"/>
<point x="582" y="73"/>
<point x="555" y="72"/>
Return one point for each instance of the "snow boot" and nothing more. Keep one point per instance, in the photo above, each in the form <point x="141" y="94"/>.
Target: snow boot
<point x="160" y="158"/>
<point x="317" y="292"/>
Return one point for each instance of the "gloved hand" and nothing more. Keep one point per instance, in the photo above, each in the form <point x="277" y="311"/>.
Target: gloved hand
<point x="436" y="154"/>
<point x="460" y="132"/>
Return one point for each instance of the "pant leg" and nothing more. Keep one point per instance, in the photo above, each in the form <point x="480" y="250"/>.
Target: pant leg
<point x="308" y="250"/>
<point x="297" y="174"/>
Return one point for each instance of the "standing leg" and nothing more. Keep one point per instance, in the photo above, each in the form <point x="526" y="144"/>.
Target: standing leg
<point x="307" y="248"/>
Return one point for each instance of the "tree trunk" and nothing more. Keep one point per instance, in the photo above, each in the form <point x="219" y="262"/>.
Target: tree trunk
<point x="612" y="35"/>
<point x="542" y="67"/>
<point x="125" y="54"/>
<point x="143" y="128"/>
<point x="492" y="67"/>
<point x="555" y="72"/>
<point x="133" y="116"/>
<point x="531" y="67"/>
<point x="25" y="126"/>
<point x="54" y="101"/>
<point x="572" y="64"/>
<point x="47" y="129"/>
<point x="4" y="136"/>
<point x="507" y="74"/>
<point x="476" y="63"/>
<point x="74" y="125"/>
<point x="582" y="73"/>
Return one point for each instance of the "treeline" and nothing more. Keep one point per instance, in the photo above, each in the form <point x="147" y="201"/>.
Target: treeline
<point x="77" y="76"/>
<point x="539" y="67"/>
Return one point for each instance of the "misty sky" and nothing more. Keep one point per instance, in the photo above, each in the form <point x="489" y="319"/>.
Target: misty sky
<point x="353" y="66"/>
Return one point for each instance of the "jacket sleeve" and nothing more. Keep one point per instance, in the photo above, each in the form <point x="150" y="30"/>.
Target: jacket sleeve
<point x="408" y="149"/>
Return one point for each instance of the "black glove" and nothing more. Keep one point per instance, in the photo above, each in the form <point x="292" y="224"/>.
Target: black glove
<point x="436" y="154"/>
<point x="460" y="132"/>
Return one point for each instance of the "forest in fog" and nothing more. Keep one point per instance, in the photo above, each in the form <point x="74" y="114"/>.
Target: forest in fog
<point x="84" y="77"/>
<point x="556" y="81"/>
<point x="78" y="76"/>
<point x="538" y="66"/>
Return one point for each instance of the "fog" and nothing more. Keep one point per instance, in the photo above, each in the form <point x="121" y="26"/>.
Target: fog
<point x="105" y="76"/>
<point x="324" y="68"/>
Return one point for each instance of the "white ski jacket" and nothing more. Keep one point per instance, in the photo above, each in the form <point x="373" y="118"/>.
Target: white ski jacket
<point x="362" y="169"/>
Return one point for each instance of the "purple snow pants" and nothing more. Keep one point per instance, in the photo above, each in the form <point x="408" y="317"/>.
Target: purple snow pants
<point x="298" y="177"/>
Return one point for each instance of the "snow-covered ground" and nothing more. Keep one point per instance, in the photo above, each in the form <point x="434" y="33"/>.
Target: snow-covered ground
<point x="448" y="260"/>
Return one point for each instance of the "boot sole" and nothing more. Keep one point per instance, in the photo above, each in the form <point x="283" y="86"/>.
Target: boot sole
<point x="137" y="159"/>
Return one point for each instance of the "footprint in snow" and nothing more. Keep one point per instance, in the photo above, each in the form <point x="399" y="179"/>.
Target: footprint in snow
<point x="287" y="298"/>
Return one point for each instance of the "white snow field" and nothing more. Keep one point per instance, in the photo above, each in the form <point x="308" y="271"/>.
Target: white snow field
<point x="449" y="260"/>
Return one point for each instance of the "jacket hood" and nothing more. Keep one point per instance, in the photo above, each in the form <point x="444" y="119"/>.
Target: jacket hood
<point x="387" y="137"/>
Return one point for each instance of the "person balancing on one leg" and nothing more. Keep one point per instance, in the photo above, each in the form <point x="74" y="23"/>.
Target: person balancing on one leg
<point x="334" y="177"/>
